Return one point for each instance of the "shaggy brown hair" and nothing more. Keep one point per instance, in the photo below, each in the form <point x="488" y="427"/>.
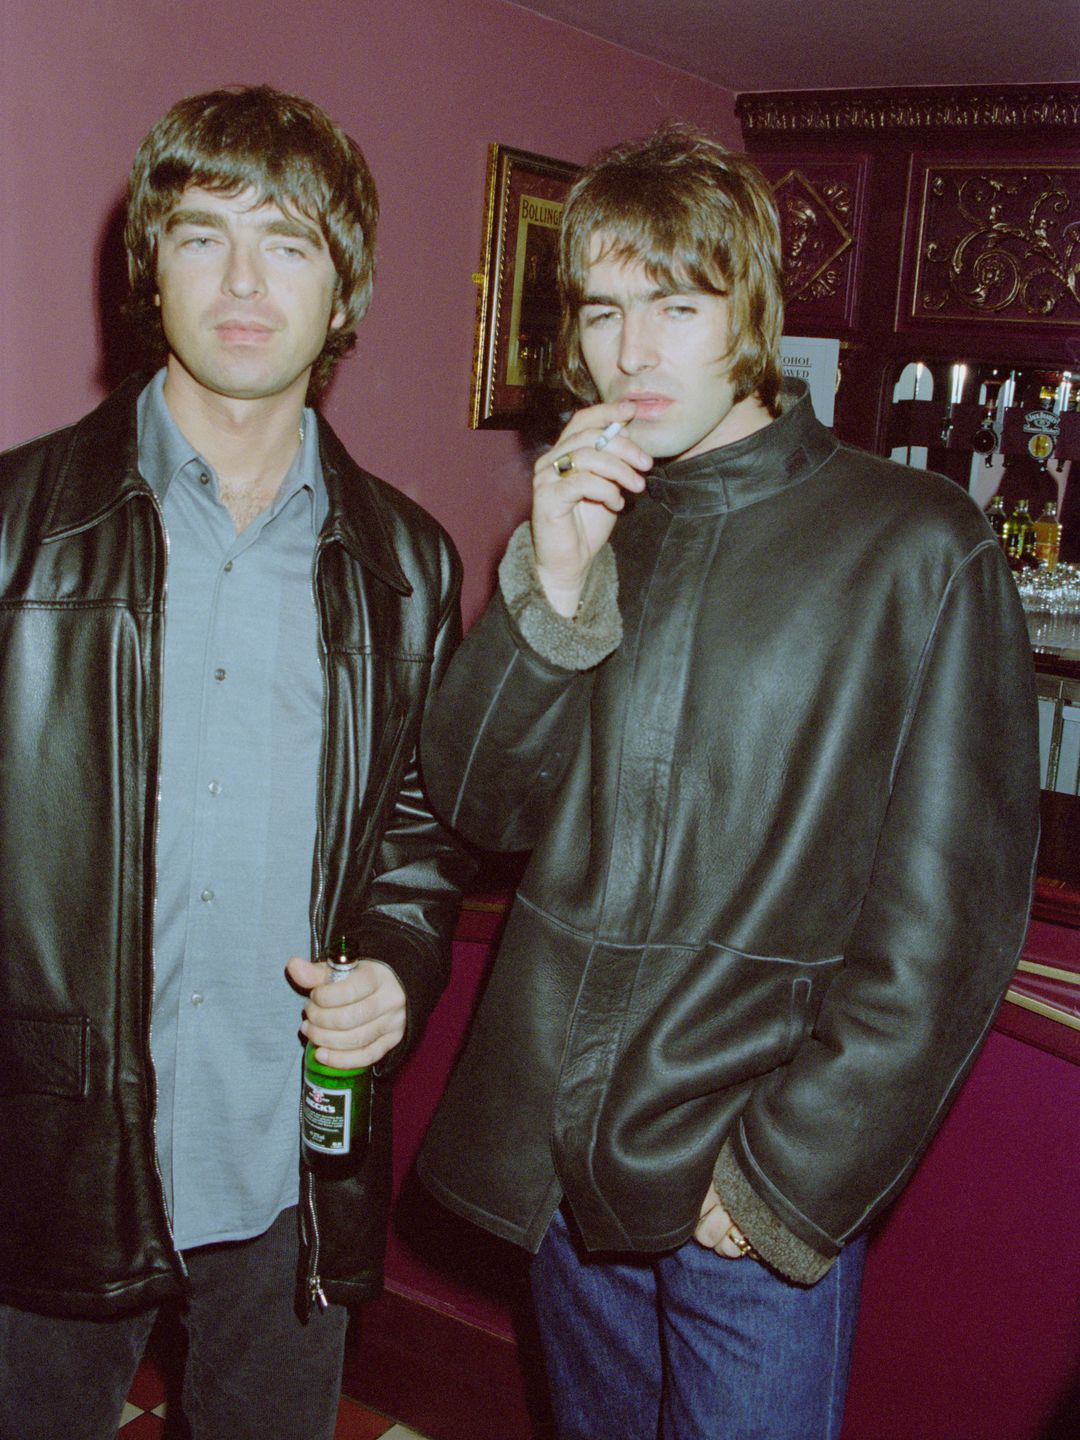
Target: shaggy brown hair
<point x="693" y="213"/>
<point x="291" y="154"/>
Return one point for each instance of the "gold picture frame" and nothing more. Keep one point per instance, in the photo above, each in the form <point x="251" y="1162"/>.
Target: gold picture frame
<point x="514" y="376"/>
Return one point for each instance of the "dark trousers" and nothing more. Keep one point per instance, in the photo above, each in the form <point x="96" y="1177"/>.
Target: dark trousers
<point x="254" y="1371"/>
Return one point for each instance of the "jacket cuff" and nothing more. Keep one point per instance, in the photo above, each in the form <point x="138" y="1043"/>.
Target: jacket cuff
<point x="774" y="1242"/>
<point x="411" y="960"/>
<point x="576" y="643"/>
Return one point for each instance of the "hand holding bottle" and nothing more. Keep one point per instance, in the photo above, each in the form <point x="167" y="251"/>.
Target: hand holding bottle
<point x="355" y="1022"/>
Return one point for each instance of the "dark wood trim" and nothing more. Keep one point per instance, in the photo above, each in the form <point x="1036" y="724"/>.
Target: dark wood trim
<point x="1009" y="108"/>
<point x="1053" y="662"/>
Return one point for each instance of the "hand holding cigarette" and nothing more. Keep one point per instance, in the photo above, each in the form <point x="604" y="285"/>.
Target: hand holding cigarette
<point x="608" y="434"/>
<point x="579" y="488"/>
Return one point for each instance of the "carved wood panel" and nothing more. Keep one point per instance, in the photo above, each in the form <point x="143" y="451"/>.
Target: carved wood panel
<point x="993" y="243"/>
<point x="820" y="204"/>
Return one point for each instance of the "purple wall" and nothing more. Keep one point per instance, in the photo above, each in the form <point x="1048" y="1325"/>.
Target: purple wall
<point x="423" y="86"/>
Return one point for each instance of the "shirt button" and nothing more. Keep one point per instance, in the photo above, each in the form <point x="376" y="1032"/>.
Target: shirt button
<point x="214" y="788"/>
<point x="197" y="998"/>
<point x="207" y="896"/>
<point x="219" y="673"/>
<point x="228" y="566"/>
<point x="204" y="479"/>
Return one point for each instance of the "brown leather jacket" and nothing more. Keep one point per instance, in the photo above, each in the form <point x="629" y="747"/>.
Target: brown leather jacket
<point x="782" y="851"/>
<point x="83" y="1226"/>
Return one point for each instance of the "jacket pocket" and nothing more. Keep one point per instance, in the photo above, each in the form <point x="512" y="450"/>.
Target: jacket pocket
<point x="798" y="1016"/>
<point x="755" y="1010"/>
<point x="44" y="1056"/>
<point x="702" y="1026"/>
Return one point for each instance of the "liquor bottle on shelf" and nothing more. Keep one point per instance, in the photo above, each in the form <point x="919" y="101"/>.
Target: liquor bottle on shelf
<point x="1029" y="557"/>
<point x="1047" y="536"/>
<point x="996" y="517"/>
<point x="1015" y="538"/>
<point x="335" y="1108"/>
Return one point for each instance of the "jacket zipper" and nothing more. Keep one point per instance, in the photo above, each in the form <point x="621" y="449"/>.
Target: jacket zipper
<point x="316" y="1293"/>
<point x="153" y="902"/>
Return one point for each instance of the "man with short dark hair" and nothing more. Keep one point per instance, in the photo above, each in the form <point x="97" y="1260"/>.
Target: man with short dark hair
<point x="761" y="707"/>
<point x="217" y="635"/>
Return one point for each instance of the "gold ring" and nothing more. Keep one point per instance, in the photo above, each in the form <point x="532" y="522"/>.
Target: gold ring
<point x="742" y="1244"/>
<point x="564" y="465"/>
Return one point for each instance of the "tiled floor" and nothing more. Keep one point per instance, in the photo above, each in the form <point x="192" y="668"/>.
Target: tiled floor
<point x="143" y="1417"/>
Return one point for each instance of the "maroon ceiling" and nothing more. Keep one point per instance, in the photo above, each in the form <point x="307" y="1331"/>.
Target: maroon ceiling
<point x="746" y="45"/>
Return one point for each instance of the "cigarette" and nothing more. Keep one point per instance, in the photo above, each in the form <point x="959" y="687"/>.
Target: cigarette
<point x="609" y="434"/>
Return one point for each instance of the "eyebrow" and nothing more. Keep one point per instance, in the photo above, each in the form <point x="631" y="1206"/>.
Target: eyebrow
<point x="659" y="292"/>
<point x="212" y="220"/>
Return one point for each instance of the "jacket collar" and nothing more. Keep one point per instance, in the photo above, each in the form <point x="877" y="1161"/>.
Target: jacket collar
<point x="99" y="471"/>
<point x="783" y="454"/>
<point x="358" y="516"/>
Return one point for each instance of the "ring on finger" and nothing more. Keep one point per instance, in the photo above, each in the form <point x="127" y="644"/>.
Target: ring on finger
<point x="741" y="1243"/>
<point x="564" y="465"/>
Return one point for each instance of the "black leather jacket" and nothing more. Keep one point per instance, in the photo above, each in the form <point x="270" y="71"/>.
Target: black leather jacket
<point x="782" y="850"/>
<point x="83" y="1226"/>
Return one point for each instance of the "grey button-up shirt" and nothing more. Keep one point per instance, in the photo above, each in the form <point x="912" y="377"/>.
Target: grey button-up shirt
<point x="241" y="736"/>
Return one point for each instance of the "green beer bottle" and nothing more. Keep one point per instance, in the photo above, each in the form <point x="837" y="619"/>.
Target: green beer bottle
<point x="335" y="1107"/>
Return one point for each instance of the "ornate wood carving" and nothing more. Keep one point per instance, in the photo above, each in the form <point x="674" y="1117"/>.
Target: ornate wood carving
<point x="997" y="243"/>
<point x="1008" y="108"/>
<point x="989" y="274"/>
<point x="814" y="235"/>
<point x="819" y="202"/>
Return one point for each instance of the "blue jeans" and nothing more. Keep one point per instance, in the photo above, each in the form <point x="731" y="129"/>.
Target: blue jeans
<point x="686" y="1345"/>
<point x="253" y="1370"/>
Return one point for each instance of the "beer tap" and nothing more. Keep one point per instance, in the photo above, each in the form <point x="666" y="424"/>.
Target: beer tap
<point x="959" y="373"/>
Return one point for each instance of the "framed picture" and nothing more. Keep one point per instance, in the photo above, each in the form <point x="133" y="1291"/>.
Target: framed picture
<point x="514" y="376"/>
